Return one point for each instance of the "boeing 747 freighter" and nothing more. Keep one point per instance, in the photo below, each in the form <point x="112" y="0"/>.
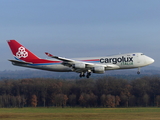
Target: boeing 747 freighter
<point x="83" y="66"/>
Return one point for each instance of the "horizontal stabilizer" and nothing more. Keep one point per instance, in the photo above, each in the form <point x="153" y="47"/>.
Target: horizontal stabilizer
<point x="20" y="62"/>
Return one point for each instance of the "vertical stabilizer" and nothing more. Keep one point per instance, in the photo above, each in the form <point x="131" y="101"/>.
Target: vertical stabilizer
<point x="20" y="52"/>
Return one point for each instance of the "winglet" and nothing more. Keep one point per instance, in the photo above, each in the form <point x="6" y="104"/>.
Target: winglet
<point x="52" y="56"/>
<point x="48" y="54"/>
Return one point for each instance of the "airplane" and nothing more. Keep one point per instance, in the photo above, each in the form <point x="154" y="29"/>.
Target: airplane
<point x="83" y="66"/>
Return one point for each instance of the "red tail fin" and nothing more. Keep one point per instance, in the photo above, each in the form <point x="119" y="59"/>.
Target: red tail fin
<point x="20" y="52"/>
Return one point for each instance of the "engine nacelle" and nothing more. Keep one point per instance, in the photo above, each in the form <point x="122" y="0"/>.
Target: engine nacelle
<point x="99" y="69"/>
<point x="79" y="65"/>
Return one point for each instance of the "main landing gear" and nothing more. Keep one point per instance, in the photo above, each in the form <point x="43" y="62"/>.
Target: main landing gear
<point x="82" y="74"/>
<point x="88" y="74"/>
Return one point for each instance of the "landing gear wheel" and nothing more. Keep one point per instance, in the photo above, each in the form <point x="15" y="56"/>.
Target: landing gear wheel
<point x="81" y="75"/>
<point x="88" y="74"/>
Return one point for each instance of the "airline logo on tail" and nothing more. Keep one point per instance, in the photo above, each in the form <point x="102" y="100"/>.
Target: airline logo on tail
<point x="21" y="53"/>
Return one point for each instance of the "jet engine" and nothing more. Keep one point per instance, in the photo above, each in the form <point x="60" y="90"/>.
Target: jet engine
<point x="79" y="66"/>
<point x="99" y="69"/>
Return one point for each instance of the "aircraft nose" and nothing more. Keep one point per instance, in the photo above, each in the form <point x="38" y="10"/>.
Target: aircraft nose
<point x="149" y="60"/>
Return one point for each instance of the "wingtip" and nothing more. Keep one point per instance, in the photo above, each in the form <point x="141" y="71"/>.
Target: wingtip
<point x="48" y="54"/>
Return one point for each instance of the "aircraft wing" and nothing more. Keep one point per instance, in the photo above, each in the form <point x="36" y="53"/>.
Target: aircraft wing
<point x="59" y="58"/>
<point x="70" y="62"/>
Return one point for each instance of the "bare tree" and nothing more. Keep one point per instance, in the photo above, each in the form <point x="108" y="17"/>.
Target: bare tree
<point x="158" y="100"/>
<point x="34" y="101"/>
<point x="146" y="99"/>
<point x="72" y="100"/>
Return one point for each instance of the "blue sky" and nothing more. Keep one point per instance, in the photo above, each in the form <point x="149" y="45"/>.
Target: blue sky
<point x="80" y="28"/>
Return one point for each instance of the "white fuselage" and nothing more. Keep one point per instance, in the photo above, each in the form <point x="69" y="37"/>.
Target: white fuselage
<point x="84" y="66"/>
<point x="121" y="61"/>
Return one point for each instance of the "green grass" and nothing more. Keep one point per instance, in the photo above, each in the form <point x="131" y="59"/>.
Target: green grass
<point x="79" y="113"/>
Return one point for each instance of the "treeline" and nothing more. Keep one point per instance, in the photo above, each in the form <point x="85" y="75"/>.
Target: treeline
<point x="102" y="92"/>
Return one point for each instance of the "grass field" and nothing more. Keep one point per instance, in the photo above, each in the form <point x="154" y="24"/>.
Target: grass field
<point x="80" y="113"/>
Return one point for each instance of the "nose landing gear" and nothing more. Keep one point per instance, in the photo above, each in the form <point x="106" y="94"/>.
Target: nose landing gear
<point x="138" y="72"/>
